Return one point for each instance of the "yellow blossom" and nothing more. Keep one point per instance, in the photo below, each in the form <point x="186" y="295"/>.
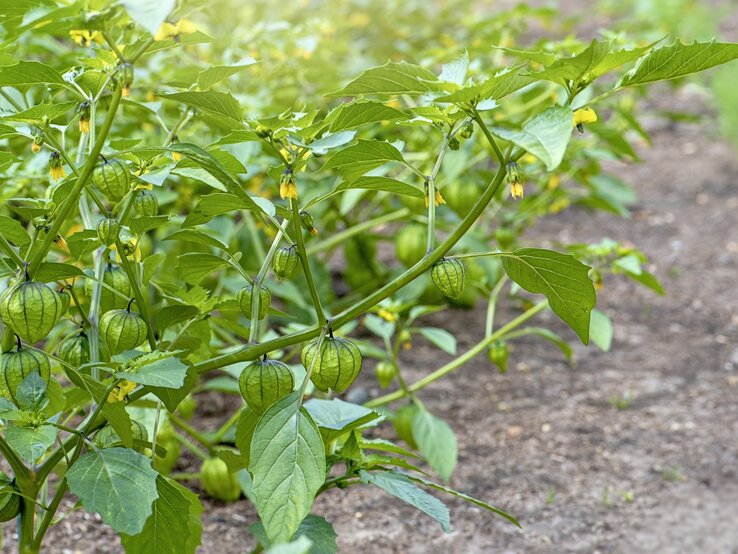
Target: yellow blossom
<point x="387" y="315"/>
<point x="437" y="199"/>
<point x="169" y="30"/>
<point x="35" y="148"/>
<point x="60" y="242"/>
<point x="119" y="393"/>
<point x="287" y="189"/>
<point x="56" y="168"/>
<point x="84" y="125"/>
<point x="582" y="116"/>
<point x="83" y="37"/>
<point x="553" y="182"/>
<point x="516" y="190"/>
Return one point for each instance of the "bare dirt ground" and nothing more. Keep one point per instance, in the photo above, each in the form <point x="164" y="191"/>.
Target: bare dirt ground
<point x="658" y="474"/>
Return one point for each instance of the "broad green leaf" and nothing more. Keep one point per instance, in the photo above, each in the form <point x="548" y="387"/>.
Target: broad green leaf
<point x="8" y="411"/>
<point x="212" y="75"/>
<point x="13" y="231"/>
<point x="600" y="330"/>
<point x="288" y="466"/>
<point x="195" y="266"/>
<point x="561" y="278"/>
<point x="678" y="60"/>
<point x="172" y="397"/>
<point x="615" y="59"/>
<point x="29" y="73"/>
<point x="389" y="79"/>
<point x="315" y="528"/>
<point x="139" y="225"/>
<point x="301" y="545"/>
<point x="494" y="88"/>
<point x="383" y="184"/>
<point x="170" y="315"/>
<point x="168" y="372"/>
<point x="36" y="114"/>
<point x="31" y="393"/>
<point x="440" y="337"/>
<point x="336" y="417"/>
<point x="576" y="67"/>
<point x="468" y="498"/>
<point x="174" y="526"/>
<point x="352" y="162"/>
<point x="436" y="441"/>
<point x="360" y="112"/>
<point x="55" y="271"/>
<point x="150" y="15"/>
<point x="331" y="141"/>
<point x="117" y="483"/>
<point x="537" y="56"/>
<point x="221" y="104"/>
<point x="455" y="71"/>
<point x="245" y="428"/>
<point x="31" y="443"/>
<point x="401" y="487"/>
<point x="546" y="136"/>
<point x="198" y="236"/>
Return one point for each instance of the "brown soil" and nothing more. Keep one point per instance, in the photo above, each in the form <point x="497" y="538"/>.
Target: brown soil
<point x="545" y="441"/>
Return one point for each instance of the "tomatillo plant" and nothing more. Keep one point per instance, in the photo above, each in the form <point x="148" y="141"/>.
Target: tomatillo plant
<point x="152" y="234"/>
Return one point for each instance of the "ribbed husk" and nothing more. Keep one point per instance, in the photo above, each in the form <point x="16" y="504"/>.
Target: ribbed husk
<point x="218" y="481"/>
<point x="31" y="310"/>
<point x="448" y="275"/>
<point x="75" y="350"/>
<point x="116" y="278"/>
<point x="19" y="364"/>
<point x="113" y="178"/>
<point x="336" y="365"/>
<point x="264" y="382"/>
<point x="244" y="301"/>
<point x="146" y="204"/>
<point x="122" y="330"/>
<point x="285" y="262"/>
<point x="107" y="230"/>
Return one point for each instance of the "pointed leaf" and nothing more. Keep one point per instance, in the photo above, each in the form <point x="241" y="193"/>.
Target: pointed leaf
<point x="436" y="441"/>
<point x="389" y="79"/>
<point x="352" y="162"/>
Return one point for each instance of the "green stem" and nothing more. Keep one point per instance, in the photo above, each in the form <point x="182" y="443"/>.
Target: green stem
<point x="74" y="194"/>
<point x="431" y="184"/>
<point x="498" y="153"/>
<point x="300" y="241"/>
<point x="140" y="300"/>
<point x="218" y="436"/>
<point x="254" y="330"/>
<point x="26" y="527"/>
<point x="493" y="304"/>
<point x="191" y="447"/>
<point x="456" y="363"/>
<point x="10" y="251"/>
<point x="187" y="428"/>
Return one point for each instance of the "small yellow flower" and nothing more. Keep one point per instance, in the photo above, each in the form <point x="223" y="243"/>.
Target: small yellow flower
<point x="84" y="125"/>
<point x="582" y="116"/>
<point x="407" y="345"/>
<point x="175" y="30"/>
<point x="35" y="148"/>
<point x="516" y="190"/>
<point x="56" y="168"/>
<point x="60" y="242"/>
<point x="387" y="315"/>
<point x="176" y="156"/>
<point x="437" y="198"/>
<point x="83" y="37"/>
<point x="287" y="188"/>
<point x="119" y="393"/>
<point x="553" y="182"/>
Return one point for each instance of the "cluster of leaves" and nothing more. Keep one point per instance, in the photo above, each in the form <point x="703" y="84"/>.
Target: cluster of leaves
<point x="432" y="145"/>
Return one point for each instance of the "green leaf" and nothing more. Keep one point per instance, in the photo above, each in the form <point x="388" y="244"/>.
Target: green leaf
<point x="139" y="225"/>
<point x="174" y="526"/>
<point x="31" y="443"/>
<point x="55" y="271"/>
<point x="301" y="545"/>
<point x="29" y="73"/>
<point x="150" y="15"/>
<point x="220" y="104"/>
<point x="13" y="231"/>
<point x="575" y="67"/>
<point x="455" y="71"/>
<point x="360" y="112"/>
<point x="168" y="372"/>
<point x="31" y="393"/>
<point x="678" y="60"/>
<point x="494" y="88"/>
<point x="401" y="487"/>
<point x="436" y="441"/>
<point x="383" y="184"/>
<point x="288" y="466"/>
<point x="389" y="79"/>
<point x="245" y="428"/>
<point x="212" y="75"/>
<point x="600" y="330"/>
<point x="441" y="338"/>
<point x="117" y="483"/>
<point x="36" y="114"/>
<point x="556" y="339"/>
<point x="561" y="278"/>
<point x="336" y="417"/>
<point x="316" y="528"/>
<point x="331" y="141"/>
<point x="195" y="266"/>
<point x="546" y="136"/>
<point x="468" y="498"/>
<point x="197" y="236"/>
<point x="365" y="155"/>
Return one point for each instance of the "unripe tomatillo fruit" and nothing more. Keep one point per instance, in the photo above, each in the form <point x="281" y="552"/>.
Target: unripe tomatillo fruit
<point x="244" y="300"/>
<point x="116" y="279"/>
<point x="448" y="276"/>
<point x="410" y="244"/>
<point x="218" y="481"/>
<point x="404" y="423"/>
<point x="113" y="178"/>
<point x="498" y="353"/>
<point x="65" y="297"/>
<point x="9" y="501"/>
<point x="461" y="196"/>
<point x="19" y="364"/>
<point x="75" y="350"/>
<point x="122" y="330"/>
<point x="285" y="261"/>
<point x="335" y="366"/>
<point x="145" y="203"/>
<point x="107" y="230"/>
<point x="31" y="310"/>
<point x="264" y="382"/>
<point x="385" y="372"/>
